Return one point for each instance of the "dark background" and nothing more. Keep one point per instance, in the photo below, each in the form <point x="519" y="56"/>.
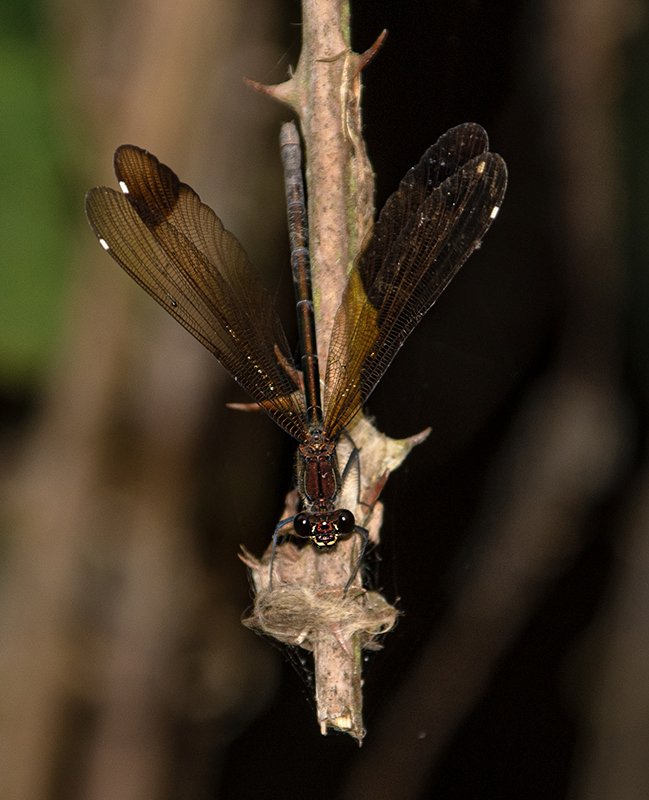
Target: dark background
<point x="519" y="316"/>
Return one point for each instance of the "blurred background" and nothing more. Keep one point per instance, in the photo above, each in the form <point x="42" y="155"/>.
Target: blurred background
<point x="515" y="538"/>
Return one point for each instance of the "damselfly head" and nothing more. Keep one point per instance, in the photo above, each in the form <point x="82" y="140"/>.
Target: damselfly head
<point x="324" y="528"/>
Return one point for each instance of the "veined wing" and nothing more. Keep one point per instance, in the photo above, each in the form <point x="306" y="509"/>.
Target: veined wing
<point x="176" y="248"/>
<point x="425" y="232"/>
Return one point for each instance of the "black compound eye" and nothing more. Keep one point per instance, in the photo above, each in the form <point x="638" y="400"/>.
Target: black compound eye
<point x="302" y="525"/>
<point x="345" y="521"/>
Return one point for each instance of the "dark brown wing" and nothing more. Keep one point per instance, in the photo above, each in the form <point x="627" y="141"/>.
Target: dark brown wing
<point x="176" y="248"/>
<point x="425" y="232"/>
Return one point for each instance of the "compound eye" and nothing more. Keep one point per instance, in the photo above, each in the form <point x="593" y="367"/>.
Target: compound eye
<point x="302" y="525"/>
<point x="345" y="521"/>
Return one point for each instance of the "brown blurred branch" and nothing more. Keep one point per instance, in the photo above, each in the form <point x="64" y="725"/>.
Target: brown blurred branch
<point x="614" y="761"/>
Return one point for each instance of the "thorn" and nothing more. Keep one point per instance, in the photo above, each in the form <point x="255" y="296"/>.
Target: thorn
<point x="248" y="559"/>
<point x="365" y="58"/>
<point x="243" y="406"/>
<point x="420" y="437"/>
<point x="372" y="493"/>
<point x="331" y="59"/>
<point x="287" y="92"/>
<point x="260" y="87"/>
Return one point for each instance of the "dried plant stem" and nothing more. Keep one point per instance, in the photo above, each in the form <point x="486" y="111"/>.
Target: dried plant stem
<point x="307" y="606"/>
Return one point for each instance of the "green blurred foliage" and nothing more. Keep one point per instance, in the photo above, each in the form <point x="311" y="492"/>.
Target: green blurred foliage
<point x="35" y="219"/>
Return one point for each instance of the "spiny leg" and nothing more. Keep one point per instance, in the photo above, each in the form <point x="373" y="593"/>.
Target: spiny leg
<point x="365" y="534"/>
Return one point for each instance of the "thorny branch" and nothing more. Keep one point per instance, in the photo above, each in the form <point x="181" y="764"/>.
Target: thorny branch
<point x="307" y="605"/>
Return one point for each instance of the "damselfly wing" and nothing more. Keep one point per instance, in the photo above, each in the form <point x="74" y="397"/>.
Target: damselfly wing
<point x="176" y="248"/>
<point x="423" y="235"/>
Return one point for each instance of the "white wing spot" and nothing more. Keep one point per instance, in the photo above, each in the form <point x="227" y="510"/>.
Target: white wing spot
<point x="123" y="187"/>
<point x="104" y="244"/>
<point x="494" y="212"/>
